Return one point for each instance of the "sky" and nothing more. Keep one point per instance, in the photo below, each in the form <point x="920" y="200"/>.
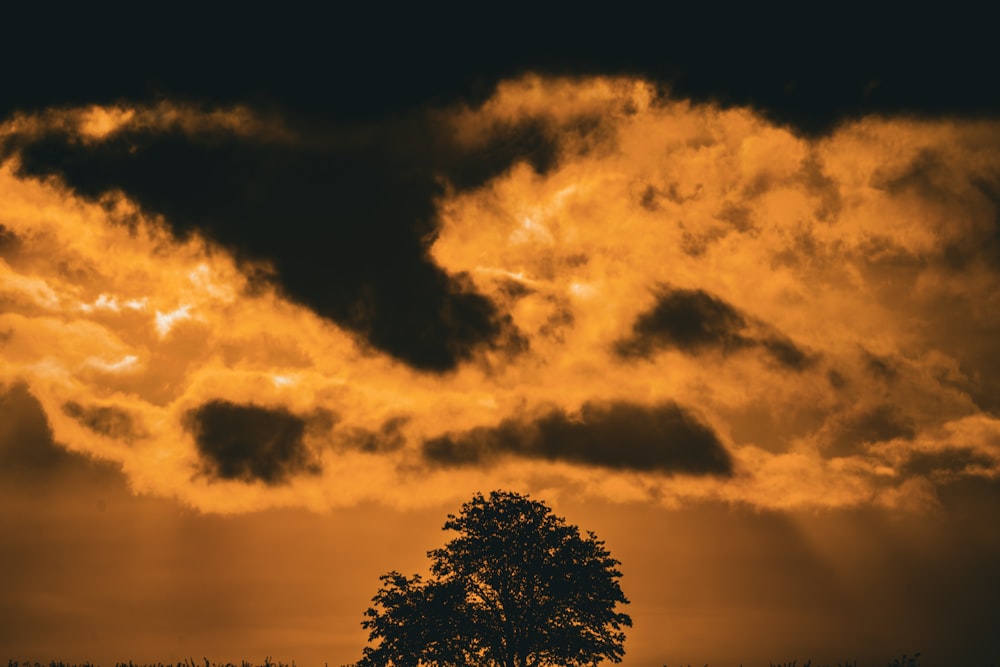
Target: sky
<point x="278" y="295"/>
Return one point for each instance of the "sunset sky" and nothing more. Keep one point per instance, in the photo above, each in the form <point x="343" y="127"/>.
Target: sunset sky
<point x="279" y="296"/>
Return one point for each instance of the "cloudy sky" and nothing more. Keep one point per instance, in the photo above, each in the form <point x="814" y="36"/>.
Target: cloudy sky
<point x="273" y="307"/>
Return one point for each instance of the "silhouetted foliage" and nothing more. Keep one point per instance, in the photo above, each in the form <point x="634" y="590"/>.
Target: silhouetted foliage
<point x="518" y="587"/>
<point x="906" y="661"/>
<point x="187" y="662"/>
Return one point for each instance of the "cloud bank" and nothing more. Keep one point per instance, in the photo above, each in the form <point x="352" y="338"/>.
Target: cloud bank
<point x="662" y="438"/>
<point x="579" y="286"/>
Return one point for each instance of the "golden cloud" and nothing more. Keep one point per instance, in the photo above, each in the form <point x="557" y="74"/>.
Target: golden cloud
<point x="821" y="307"/>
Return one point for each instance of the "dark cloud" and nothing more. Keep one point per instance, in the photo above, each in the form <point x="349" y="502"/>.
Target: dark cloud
<point x="804" y="251"/>
<point x="988" y="188"/>
<point x="106" y="420"/>
<point x="836" y="379"/>
<point x="695" y="245"/>
<point x="926" y="174"/>
<point x="883" y="368"/>
<point x="852" y="433"/>
<point x="28" y="452"/>
<point x="949" y="463"/>
<point x="514" y="289"/>
<point x="250" y="443"/>
<point x="786" y="353"/>
<point x="819" y="184"/>
<point x="930" y="176"/>
<point x="982" y="243"/>
<point x="737" y="218"/>
<point x="532" y="140"/>
<point x="737" y="215"/>
<point x="695" y="321"/>
<point x="687" y="319"/>
<point x="25" y="437"/>
<point x="559" y="320"/>
<point x="344" y="215"/>
<point x="9" y="241"/>
<point x="650" y="197"/>
<point x="363" y="63"/>
<point x="388" y="438"/>
<point x="664" y="438"/>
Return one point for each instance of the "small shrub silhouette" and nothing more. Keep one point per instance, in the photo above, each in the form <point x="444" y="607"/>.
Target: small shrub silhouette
<point x="906" y="661"/>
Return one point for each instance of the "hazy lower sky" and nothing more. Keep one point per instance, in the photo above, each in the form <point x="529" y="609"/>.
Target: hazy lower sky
<point x="269" y="315"/>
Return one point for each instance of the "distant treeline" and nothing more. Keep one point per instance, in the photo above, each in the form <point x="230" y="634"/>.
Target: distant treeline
<point x="189" y="662"/>
<point x="905" y="661"/>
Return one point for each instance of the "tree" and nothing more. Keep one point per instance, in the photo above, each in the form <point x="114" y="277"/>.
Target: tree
<point x="518" y="587"/>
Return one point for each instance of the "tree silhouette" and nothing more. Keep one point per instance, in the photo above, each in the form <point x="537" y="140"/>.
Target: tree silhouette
<point x="518" y="587"/>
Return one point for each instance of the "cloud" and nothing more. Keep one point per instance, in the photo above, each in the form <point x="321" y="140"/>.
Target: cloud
<point x="694" y="321"/>
<point x="866" y="425"/>
<point x="107" y="420"/>
<point x="687" y="319"/>
<point x="9" y="241"/>
<point x="951" y="463"/>
<point x="664" y="438"/>
<point x="388" y="438"/>
<point x="250" y="443"/>
<point x="619" y="251"/>
<point x="741" y="63"/>
<point x="29" y="454"/>
<point x="968" y="447"/>
<point x="25" y="437"/>
<point x="258" y="187"/>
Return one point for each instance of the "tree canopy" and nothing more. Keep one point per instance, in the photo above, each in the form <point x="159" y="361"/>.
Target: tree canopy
<point x="518" y="587"/>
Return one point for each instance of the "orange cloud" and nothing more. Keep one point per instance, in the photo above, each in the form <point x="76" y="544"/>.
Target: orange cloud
<point x="820" y="307"/>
